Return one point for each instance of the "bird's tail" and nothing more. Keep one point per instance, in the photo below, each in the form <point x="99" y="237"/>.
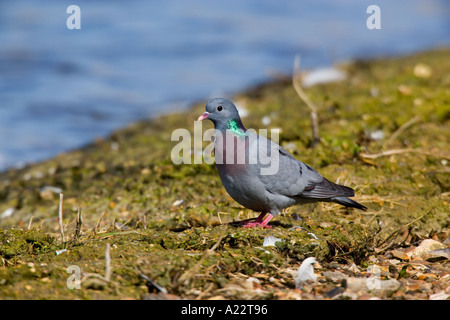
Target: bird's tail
<point x="348" y="203"/>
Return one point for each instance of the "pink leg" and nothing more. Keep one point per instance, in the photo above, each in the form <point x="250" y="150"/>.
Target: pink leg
<point x="259" y="222"/>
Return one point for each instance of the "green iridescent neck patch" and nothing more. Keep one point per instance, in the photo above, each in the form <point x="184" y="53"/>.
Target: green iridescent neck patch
<point x="233" y="127"/>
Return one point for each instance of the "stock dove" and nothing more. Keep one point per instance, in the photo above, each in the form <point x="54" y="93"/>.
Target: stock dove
<point x="261" y="175"/>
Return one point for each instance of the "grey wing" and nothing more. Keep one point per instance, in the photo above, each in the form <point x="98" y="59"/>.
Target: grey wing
<point x="296" y="179"/>
<point x="288" y="176"/>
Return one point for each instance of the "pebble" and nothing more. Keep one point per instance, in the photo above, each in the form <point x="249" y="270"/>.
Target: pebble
<point x="7" y="213"/>
<point x="372" y="284"/>
<point x="439" y="253"/>
<point x="177" y="203"/>
<point x="422" y="70"/>
<point x="266" y="120"/>
<point x="424" y="249"/>
<point x="441" y="295"/>
<point x="323" y="75"/>
<point x="48" y="192"/>
<point x="334" y="276"/>
<point x="400" y="255"/>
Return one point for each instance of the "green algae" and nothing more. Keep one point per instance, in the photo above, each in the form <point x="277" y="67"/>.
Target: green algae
<point x="130" y="192"/>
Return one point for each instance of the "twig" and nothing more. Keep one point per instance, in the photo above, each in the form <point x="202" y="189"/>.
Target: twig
<point x="107" y="263"/>
<point x="29" y="223"/>
<point x="400" y="151"/>
<point x="79" y="222"/>
<point x="98" y="223"/>
<point x="186" y="275"/>
<point x="61" y="226"/>
<point x="312" y="107"/>
<point x="392" y="236"/>
<point x="205" y="292"/>
<point x="144" y="220"/>
<point x="114" y="233"/>
<point x="150" y="282"/>
<point x="402" y="128"/>
<point x="107" y="276"/>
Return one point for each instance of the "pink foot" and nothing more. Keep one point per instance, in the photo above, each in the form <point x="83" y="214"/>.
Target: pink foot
<point x="254" y="224"/>
<point x="259" y="222"/>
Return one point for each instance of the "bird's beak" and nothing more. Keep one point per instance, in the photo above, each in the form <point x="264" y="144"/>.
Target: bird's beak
<point x="203" y="116"/>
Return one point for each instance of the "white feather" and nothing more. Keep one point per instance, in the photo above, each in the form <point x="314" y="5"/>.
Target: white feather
<point x="305" y="272"/>
<point x="270" y="241"/>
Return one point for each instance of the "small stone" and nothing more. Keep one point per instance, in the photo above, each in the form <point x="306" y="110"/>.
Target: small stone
<point x="439" y="296"/>
<point x="424" y="249"/>
<point x="374" y="284"/>
<point x="404" y="90"/>
<point x="400" y="255"/>
<point x="439" y="254"/>
<point x="334" y="276"/>
<point x="422" y="70"/>
<point x="177" y="203"/>
<point x="49" y="192"/>
<point x="252" y="283"/>
<point x="326" y="224"/>
<point x="94" y="283"/>
<point x="394" y="261"/>
<point x="357" y="284"/>
<point x="323" y="75"/>
<point x="266" y="120"/>
<point x="389" y="285"/>
<point x="114" y="146"/>
<point x="353" y="268"/>
<point x="335" y="292"/>
<point x="393" y="269"/>
<point x="47" y="195"/>
<point x="428" y="277"/>
<point x="377" y="135"/>
<point x="7" y="213"/>
<point x="374" y="92"/>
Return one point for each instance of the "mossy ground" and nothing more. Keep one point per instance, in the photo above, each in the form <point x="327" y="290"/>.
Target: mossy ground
<point x="128" y="191"/>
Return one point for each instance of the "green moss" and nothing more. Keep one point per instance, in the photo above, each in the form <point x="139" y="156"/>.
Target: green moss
<point x="130" y="194"/>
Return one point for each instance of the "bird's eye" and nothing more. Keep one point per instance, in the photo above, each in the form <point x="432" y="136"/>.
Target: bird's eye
<point x="219" y="108"/>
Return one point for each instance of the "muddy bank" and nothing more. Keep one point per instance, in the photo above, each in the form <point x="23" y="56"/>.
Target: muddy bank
<point x="384" y="132"/>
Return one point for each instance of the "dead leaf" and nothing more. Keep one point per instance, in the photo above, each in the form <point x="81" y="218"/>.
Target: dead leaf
<point x="400" y="255"/>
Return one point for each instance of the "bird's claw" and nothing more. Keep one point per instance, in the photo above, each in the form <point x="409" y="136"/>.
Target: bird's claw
<point x="261" y="221"/>
<point x="253" y="224"/>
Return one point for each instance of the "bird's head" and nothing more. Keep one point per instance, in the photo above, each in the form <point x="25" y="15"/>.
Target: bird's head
<point x="223" y="113"/>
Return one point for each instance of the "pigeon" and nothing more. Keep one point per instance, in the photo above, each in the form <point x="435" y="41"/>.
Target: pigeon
<point x="261" y="175"/>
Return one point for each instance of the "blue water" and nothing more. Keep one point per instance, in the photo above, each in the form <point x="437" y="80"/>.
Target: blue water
<point x="131" y="60"/>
